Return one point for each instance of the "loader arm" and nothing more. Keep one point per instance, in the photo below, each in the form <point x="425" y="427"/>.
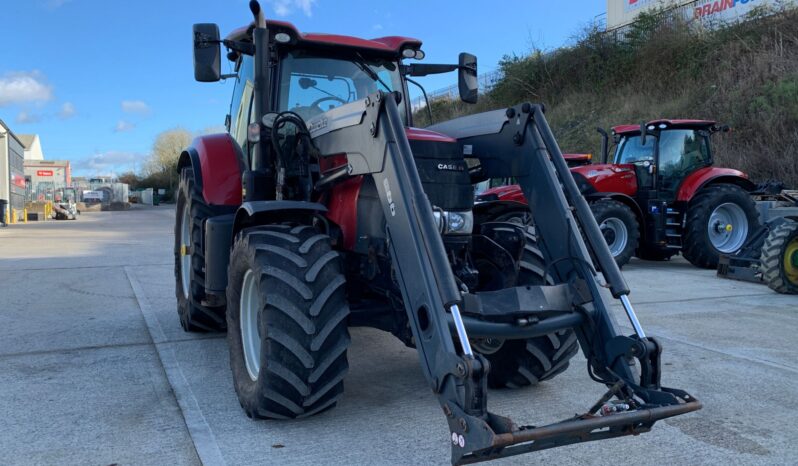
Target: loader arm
<point x="515" y="143"/>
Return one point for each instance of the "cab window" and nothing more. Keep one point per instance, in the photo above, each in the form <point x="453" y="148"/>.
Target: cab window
<point x="311" y="84"/>
<point x="242" y="100"/>
<point x="630" y="150"/>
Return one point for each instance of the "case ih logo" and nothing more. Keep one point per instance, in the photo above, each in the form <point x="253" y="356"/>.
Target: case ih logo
<point x="44" y="173"/>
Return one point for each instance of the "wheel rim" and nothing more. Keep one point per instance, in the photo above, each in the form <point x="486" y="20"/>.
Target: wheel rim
<point x="615" y="234"/>
<point x="487" y="346"/>
<point x="728" y="227"/>
<point x="791" y="261"/>
<point x="250" y="337"/>
<point x="185" y="251"/>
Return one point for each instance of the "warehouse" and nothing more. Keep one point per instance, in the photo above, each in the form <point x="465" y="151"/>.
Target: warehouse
<point x="12" y="174"/>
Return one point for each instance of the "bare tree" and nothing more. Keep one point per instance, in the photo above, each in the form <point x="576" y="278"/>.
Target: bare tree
<point x="166" y="150"/>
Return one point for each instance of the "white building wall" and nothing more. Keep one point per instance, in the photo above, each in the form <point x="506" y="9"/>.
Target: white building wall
<point x="623" y="12"/>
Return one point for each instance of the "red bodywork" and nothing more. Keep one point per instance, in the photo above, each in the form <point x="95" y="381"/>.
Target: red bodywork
<point x="221" y="173"/>
<point x="610" y="178"/>
<point x="696" y="180"/>
<point x="342" y="201"/>
<point x="390" y="44"/>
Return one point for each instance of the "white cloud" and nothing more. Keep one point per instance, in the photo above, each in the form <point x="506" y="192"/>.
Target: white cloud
<point x="111" y="162"/>
<point x="122" y="126"/>
<point x="377" y="27"/>
<point x="286" y="7"/>
<point x="135" y="106"/>
<point x="67" y="111"/>
<point x="24" y="117"/>
<point x="24" y="87"/>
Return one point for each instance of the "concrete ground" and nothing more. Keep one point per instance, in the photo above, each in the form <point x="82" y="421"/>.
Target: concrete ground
<point x="94" y="369"/>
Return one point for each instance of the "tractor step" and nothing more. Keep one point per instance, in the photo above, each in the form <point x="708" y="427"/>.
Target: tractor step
<point x="585" y="428"/>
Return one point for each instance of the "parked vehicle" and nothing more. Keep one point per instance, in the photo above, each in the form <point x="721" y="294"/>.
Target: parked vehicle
<point x="660" y="194"/>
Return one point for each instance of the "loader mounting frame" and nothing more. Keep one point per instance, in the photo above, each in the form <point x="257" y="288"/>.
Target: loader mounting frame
<point x="515" y="143"/>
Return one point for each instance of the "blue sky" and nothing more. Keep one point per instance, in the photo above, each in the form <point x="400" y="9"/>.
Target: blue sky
<point x="98" y="79"/>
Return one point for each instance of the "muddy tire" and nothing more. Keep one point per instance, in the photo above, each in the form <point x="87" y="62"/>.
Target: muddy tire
<point x="618" y="224"/>
<point x="191" y="210"/>
<point x="720" y="219"/>
<point x="287" y="322"/>
<point x="520" y="363"/>
<point x="779" y="260"/>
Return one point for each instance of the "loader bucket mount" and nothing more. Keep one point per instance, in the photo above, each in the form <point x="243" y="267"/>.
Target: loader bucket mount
<point x="518" y="143"/>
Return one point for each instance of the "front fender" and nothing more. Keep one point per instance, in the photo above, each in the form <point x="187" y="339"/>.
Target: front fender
<point x="268" y="212"/>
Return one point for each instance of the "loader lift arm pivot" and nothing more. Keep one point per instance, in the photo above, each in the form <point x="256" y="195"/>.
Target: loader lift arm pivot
<point x="515" y="143"/>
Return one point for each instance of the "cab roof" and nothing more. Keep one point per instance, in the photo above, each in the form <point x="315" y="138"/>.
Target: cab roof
<point x="392" y="45"/>
<point x="685" y="124"/>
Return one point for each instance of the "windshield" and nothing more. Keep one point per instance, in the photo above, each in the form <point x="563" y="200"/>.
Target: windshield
<point x="630" y="150"/>
<point x="310" y="84"/>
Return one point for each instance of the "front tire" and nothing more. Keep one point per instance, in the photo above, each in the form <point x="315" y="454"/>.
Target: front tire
<point x="779" y="260"/>
<point x="620" y="228"/>
<point x="287" y="322"/>
<point x="191" y="211"/>
<point x="720" y="220"/>
<point x="520" y="363"/>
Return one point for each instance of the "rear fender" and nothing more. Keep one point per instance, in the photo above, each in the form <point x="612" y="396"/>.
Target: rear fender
<point x="704" y="177"/>
<point x="255" y="213"/>
<point x="217" y="162"/>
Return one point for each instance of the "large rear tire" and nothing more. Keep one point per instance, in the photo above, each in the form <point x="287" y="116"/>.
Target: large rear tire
<point x="520" y="363"/>
<point x="720" y="220"/>
<point x="619" y="226"/>
<point x="779" y="260"/>
<point x="190" y="259"/>
<point x="287" y="322"/>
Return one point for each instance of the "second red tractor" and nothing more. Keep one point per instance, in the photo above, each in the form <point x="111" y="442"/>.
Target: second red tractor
<point x="659" y="194"/>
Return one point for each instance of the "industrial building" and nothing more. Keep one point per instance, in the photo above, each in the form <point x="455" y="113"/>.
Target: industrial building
<point x="45" y="177"/>
<point x="12" y="173"/>
<point x="621" y="13"/>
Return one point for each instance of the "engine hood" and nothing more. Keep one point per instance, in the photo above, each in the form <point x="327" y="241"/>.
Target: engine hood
<point x="606" y="178"/>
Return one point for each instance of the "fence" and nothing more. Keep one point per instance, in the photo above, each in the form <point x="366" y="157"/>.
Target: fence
<point x="486" y="83"/>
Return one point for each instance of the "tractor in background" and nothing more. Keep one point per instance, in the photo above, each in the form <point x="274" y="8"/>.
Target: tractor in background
<point x="659" y="194"/>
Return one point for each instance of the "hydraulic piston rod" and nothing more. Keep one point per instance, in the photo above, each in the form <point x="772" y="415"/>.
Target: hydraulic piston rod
<point x="630" y="312"/>
<point x="461" y="331"/>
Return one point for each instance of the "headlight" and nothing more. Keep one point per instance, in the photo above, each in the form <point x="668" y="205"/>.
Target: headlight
<point x="454" y="223"/>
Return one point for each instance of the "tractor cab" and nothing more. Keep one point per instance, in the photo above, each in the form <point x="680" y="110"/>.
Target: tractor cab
<point x="669" y="151"/>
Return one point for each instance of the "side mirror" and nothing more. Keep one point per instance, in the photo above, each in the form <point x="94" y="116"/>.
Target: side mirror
<point x="467" y="78"/>
<point x="207" y="53"/>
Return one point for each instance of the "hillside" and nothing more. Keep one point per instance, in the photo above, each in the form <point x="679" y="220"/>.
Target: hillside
<point x="743" y="75"/>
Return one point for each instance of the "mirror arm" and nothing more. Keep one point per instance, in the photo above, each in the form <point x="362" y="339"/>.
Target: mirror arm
<point x="246" y="48"/>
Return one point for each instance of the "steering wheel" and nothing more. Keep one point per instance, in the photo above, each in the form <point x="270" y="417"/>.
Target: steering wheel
<point x="325" y="98"/>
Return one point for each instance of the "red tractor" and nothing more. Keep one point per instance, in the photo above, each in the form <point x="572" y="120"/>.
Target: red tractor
<point x="660" y="194"/>
<point x="322" y="209"/>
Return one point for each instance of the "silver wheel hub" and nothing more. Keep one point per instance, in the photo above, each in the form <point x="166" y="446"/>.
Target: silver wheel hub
<point x="249" y="307"/>
<point x="727" y="228"/>
<point x="616" y="235"/>
<point x="185" y="251"/>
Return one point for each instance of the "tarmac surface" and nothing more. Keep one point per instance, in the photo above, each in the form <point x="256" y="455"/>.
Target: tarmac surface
<point x="95" y="369"/>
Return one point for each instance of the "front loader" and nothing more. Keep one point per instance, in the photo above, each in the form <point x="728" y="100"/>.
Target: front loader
<point x="315" y="219"/>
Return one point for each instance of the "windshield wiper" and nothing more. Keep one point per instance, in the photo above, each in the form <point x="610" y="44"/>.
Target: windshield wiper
<point x="361" y="63"/>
